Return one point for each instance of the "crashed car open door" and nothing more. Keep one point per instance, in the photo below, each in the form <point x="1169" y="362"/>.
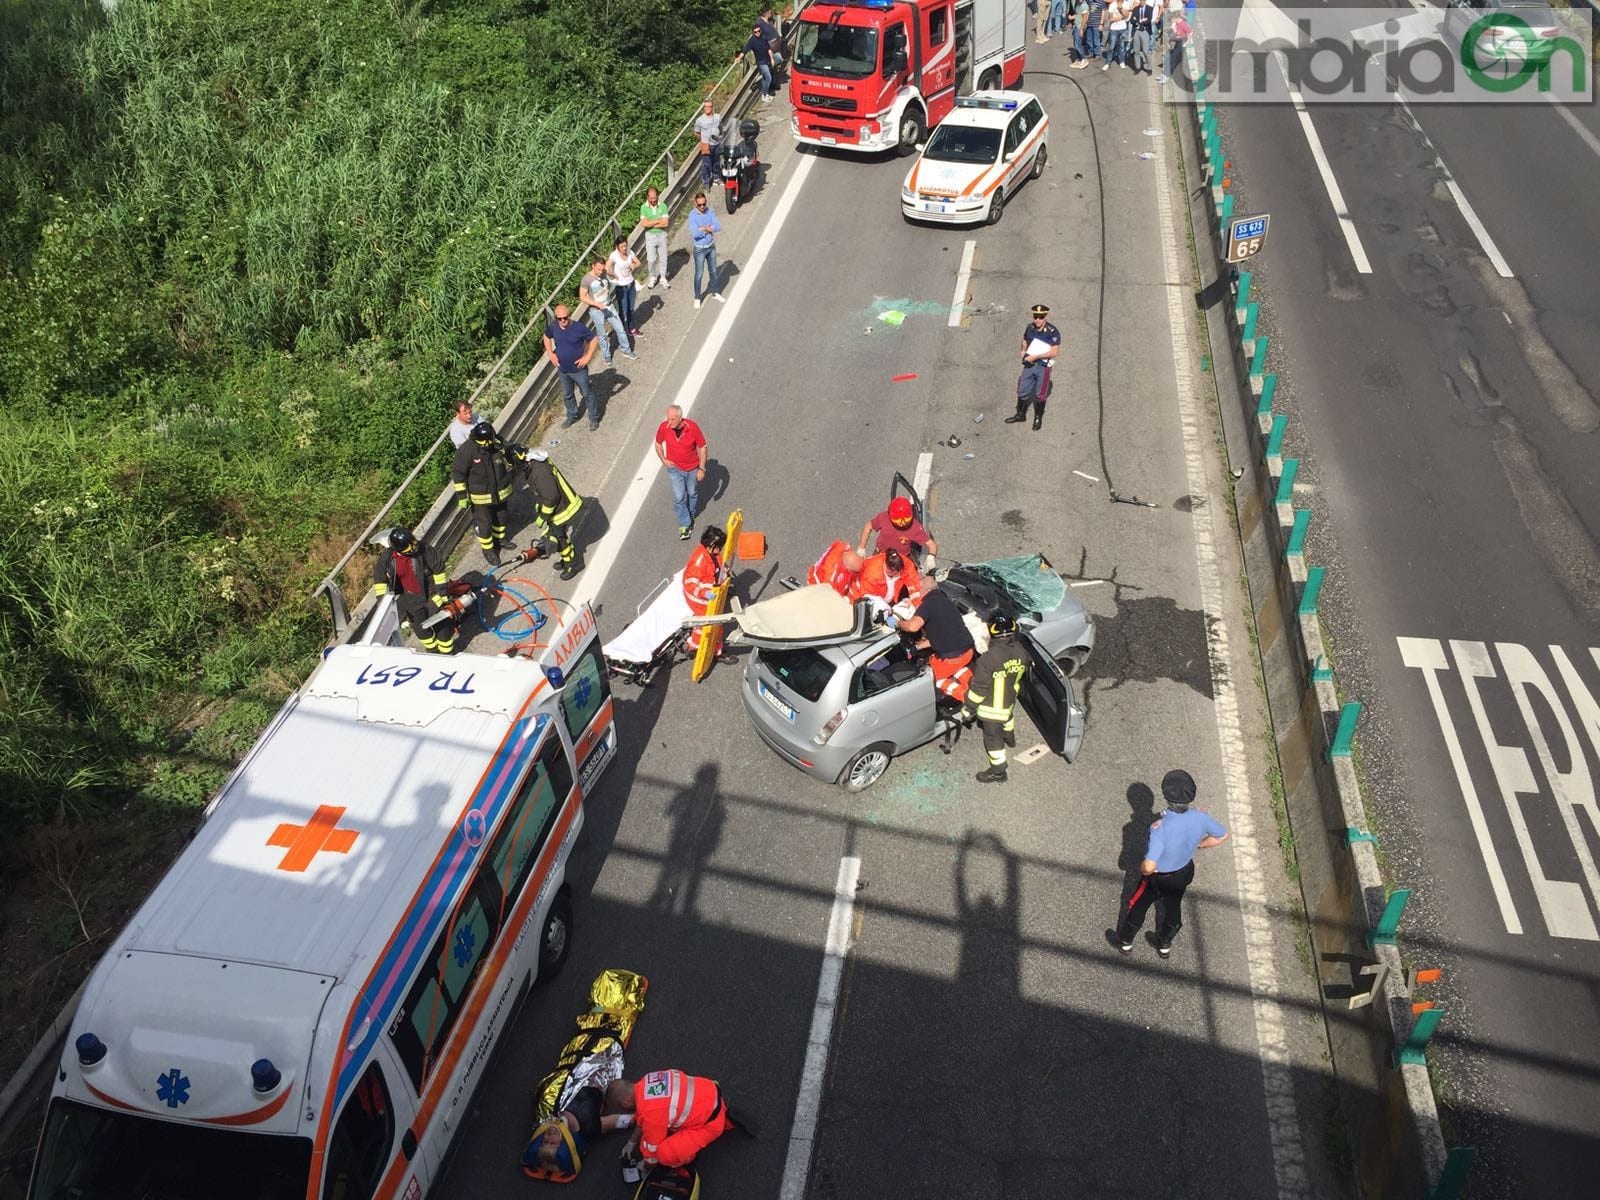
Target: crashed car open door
<point x="1047" y="695"/>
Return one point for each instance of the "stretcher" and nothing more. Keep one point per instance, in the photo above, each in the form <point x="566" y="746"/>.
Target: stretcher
<point x="654" y="637"/>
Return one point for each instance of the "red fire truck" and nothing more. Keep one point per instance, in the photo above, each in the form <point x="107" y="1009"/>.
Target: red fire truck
<point x="870" y="75"/>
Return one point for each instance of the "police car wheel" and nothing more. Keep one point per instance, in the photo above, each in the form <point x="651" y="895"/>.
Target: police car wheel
<point x="866" y="768"/>
<point x="555" y="940"/>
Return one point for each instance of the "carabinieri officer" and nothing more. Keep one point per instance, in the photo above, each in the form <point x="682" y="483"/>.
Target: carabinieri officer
<point x="1168" y="866"/>
<point x="1041" y="342"/>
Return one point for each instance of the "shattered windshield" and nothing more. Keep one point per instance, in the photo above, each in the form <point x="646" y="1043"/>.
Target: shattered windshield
<point x="1029" y="578"/>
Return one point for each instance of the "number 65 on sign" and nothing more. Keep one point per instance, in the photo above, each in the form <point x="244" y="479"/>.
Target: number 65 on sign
<point x="1246" y="236"/>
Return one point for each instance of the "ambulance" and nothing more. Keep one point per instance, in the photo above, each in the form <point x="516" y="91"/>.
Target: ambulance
<point x="305" y="1003"/>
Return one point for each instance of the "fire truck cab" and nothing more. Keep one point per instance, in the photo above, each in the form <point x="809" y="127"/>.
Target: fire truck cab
<point x="872" y="75"/>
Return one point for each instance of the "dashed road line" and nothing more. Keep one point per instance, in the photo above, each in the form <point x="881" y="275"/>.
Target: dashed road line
<point x="1341" y="210"/>
<point x="1479" y="231"/>
<point x="1277" y="1072"/>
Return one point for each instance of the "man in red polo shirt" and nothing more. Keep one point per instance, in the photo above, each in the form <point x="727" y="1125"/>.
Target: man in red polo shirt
<point x="898" y="529"/>
<point x="681" y="447"/>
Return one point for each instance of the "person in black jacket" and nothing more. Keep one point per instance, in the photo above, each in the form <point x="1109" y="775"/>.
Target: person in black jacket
<point x="555" y="503"/>
<point x="482" y="480"/>
<point x="992" y="695"/>
<point x="414" y="572"/>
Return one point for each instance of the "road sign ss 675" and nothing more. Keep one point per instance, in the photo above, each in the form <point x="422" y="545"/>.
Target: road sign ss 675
<point x="1246" y="236"/>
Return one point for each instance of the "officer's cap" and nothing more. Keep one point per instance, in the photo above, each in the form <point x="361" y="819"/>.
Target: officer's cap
<point x="1041" y="310"/>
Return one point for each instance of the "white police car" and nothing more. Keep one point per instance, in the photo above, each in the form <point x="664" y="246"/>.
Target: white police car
<point x="977" y="158"/>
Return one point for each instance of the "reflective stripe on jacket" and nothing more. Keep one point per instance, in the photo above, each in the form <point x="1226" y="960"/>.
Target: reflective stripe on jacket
<point x="830" y="569"/>
<point x="996" y="679"/>
<point x="427" y="564"/>
<point x="700" y="578"/>
<point x="669" y="1101"/>
<point x="481" y="475"/>
<point x="553" y="496"/>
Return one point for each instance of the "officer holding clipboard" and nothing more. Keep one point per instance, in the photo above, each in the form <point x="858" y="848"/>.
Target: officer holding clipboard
<point x="1041" y="342"/>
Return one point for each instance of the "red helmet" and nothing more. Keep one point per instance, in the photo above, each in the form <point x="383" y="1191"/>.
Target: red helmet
<point x="900" y="511"/>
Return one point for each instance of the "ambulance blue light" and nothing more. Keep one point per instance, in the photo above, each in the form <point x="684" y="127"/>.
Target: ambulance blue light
<point x="554" y="675"/>
<point x="984" y="102"/>
<point x="90" y="1049"/>
<point x="264" y="1076"/>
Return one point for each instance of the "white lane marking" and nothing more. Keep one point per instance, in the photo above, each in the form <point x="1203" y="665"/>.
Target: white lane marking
<point x="1090" y="478"/>
<point x="1088" y="583"/>
<point x="1250" y="863"/>
<point x="1341" y="211"/>
<point x="958" y="304"/>
<point x="1578" y="127"/>
<point x="1470" y="214"/>
<point x="644" y="478"/>
<point x="808" y="1106"/>
<point x="924" y="473"/>
<point x="1561" y="902"/>
<point x="1427" y="655"/>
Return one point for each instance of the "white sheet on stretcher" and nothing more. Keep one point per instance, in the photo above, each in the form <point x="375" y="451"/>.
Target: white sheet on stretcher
<point x="639" y="642"/>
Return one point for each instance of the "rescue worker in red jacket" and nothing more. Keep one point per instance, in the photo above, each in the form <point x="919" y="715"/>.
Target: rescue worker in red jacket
<point x="701" y="575"/>
<point x="676" y="1116"/>
<point x="888" y="577"/>
<point x="414" y="572"/>
<point x="940" y="629"/>
<point x="839" y="568"/>
<point x="482" y="479"/>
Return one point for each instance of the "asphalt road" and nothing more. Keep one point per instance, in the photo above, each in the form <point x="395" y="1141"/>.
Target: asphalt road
<point x="1447" y="422"/>
<point x="987" y="1041"/>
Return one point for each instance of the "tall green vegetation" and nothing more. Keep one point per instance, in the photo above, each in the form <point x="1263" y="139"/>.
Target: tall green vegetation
<point x="250" y="253"/>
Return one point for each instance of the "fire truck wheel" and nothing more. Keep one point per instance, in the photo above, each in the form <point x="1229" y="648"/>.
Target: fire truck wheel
<point x="990" y="82"/>
<point x="912" y="131"/>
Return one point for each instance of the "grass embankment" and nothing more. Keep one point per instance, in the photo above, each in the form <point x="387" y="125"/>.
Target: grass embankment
<point x="251" y="252"/>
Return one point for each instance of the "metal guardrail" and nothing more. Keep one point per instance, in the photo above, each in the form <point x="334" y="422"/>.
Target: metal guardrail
<point x="444" y="525"/>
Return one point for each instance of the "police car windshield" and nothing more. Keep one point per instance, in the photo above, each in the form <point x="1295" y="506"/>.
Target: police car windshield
<point x="963" y="144"/>
<point x="96" y="1154"/>
<point x="850" y="52"/>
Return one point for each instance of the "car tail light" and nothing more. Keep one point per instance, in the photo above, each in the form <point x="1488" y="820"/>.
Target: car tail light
<point x="828" y="730"/>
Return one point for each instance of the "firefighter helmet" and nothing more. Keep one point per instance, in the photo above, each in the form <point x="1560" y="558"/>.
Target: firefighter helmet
<point x="713" y="539"/>
<point x="402" y="540"/>
<point x="483" y="433"/>
<point x="1002" y="626"/>
<point x="900" y="511"/>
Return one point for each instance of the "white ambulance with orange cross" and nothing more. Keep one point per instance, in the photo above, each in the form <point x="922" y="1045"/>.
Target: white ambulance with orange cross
<point x="304" y="1004"/>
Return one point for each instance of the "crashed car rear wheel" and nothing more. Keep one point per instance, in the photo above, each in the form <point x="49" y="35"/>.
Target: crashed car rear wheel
<point x="866" y="768"/>
<point x="1072" y="660"/>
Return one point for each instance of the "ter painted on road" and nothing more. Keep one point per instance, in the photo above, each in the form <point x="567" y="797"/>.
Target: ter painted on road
<point x="1246" y="236"/>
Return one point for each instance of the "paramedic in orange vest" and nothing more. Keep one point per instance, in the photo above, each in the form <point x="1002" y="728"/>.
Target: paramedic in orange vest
<point x="839" y="568"/>
<point x="675" y="1116"/>
<point x="943" y="632"/>
<point x="888" y="577"/>
<point x="701" y="576"/>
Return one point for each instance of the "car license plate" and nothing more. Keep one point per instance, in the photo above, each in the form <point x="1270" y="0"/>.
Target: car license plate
<point x="930" y="206"/>
<point x="828" y="141"/>
<point x="779" y="705"/>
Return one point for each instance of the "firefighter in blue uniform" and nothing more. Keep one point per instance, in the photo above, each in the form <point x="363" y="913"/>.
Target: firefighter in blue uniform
<point x="992" y="695"/>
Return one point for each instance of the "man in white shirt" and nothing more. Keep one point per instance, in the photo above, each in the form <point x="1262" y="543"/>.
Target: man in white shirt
<point x="1041" y="343"/>
<point x="625" y="292"/>
<point x="461" y="424"/>
<point x="595" y="299"/>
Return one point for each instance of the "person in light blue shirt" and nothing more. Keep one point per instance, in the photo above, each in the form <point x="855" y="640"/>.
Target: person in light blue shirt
<point x="1168" y="866"/>
<point x="703" y="230"/>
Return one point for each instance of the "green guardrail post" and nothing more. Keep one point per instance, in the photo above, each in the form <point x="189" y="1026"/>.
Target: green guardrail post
<point x="1389" y="928"/>
<point x="1422" y="1029"/>
<point x="1352" y="835"/>
<point x="1453" y="1179"/>
<point x="1241" y="300"/>
<point x="1345" y="734"/>
<point x="1269" y="385"/>
<point x="1321" y="670"/>
<point x="1226" y="212"/>
<point x="1252" y="313"/>
<point x="1280" y="423"/>
<point x="1308" y="608"/>
<point x="1286" y="481"/>
<point x="1215" y="144"/>
<point x="1297" y="534"/>
<point x="1258" y="360"/>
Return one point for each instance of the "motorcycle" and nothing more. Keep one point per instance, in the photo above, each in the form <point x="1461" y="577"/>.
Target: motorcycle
<point x="740" y="163"/>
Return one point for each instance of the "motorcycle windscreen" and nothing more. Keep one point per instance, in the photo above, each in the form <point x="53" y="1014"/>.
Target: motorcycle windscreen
<point x="1048" y="697"/>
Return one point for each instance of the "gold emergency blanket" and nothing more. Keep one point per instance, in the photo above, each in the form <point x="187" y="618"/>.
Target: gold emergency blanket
<point x="616" y="999"/>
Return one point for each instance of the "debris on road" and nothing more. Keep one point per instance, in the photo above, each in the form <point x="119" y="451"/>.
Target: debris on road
<point x="892" y="316"/>
<point x="903" y="378"/>
<point x="1090" y="478"/>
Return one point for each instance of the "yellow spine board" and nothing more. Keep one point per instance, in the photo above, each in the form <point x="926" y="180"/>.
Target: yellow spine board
<point x="711" y="642"/>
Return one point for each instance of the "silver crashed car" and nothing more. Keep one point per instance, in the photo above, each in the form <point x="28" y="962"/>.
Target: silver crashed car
<point x="840" y="707"/>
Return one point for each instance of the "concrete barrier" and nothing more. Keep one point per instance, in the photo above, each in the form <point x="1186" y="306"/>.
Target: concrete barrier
<point x="1376" y="1037"/>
